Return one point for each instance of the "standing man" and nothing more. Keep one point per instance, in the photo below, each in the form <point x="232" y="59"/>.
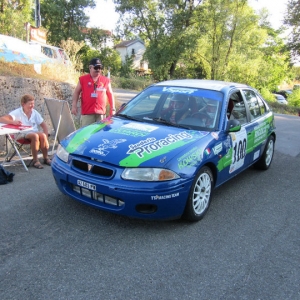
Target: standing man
<point x="93" y="87"/>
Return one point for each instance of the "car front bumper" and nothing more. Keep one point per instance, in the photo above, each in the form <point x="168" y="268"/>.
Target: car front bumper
<point x="147" y="200"/>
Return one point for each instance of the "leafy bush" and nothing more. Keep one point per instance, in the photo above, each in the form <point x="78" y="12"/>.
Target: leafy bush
<point x="267" y="95"/>
<point x="133" y="83"/>
<point x="294" y="98"/>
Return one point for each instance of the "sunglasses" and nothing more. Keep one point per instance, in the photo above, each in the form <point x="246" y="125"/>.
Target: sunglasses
<point x="97" y="68"/>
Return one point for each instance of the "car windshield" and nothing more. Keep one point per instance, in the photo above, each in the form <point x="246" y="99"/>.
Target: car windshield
<point x="176" y="106"/>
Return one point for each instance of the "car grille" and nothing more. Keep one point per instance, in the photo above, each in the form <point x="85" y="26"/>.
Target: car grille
<point x="91" y="168"/>
<point x="97" y="196"/>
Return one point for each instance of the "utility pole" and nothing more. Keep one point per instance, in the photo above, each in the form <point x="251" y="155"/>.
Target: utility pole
<point x="37" y="14"/>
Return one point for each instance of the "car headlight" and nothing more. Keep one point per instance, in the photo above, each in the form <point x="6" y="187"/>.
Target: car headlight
<point x="148" y="174"/>
<point x="62" y="154"/>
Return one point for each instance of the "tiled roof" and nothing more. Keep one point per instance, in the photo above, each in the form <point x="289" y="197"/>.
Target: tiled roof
<point x="128" y="43"/>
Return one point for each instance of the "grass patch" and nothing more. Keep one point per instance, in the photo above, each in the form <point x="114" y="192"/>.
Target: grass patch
<point x="284" y="109"/>
<point x="53" y="72"/>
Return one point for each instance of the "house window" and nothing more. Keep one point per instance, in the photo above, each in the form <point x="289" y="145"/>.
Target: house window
<point x="132" y="52"/>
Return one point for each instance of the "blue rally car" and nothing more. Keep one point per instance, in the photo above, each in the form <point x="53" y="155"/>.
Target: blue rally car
<point x="163" y="153"/>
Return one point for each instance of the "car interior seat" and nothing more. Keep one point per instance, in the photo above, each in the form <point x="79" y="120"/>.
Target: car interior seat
<point x="230" y="108"/>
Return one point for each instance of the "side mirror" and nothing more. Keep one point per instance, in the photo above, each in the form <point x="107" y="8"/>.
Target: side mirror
<point x="233" y="126"/>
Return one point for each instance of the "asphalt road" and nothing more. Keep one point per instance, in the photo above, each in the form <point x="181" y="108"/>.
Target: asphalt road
<point x="247" y="246"/>
<point x="123" y="96"/>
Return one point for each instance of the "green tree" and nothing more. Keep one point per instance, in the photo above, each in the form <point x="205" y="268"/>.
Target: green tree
<point x="163" y="26"/>
<point x="65" y="19"/>
<point x="234" y="44"/>
<point x="110" y="58"/>
<point x="126" y="69"/>
<point x="13" y="15"/>
<point x="230" y="29"/>
<point x="97" y="37"/>
<point x="292" y="19"/>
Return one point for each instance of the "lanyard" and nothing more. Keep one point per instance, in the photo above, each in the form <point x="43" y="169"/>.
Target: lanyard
<point x="95" y="83"/>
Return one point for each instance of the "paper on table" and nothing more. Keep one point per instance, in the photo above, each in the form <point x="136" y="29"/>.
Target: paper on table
<point x="19" y="127"/>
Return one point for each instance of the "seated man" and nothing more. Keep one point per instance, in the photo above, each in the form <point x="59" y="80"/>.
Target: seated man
<point x="207" y="114"/>
<point x="28" y="116"/>
<point x="178" y="109"/>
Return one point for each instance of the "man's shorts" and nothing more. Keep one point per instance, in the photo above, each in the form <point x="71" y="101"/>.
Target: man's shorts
<point x="90" y="119"/>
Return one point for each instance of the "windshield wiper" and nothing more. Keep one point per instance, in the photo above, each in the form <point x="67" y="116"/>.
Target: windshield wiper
<point x="127" y="117"/>
<point x="164" y="121"/>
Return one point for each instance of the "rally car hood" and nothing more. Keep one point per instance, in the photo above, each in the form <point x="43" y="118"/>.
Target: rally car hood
<point x="130" y="143"/>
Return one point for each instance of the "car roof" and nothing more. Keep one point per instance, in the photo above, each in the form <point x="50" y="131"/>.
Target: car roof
<point x="215" y="85"/>
<point x="278" y="96"/>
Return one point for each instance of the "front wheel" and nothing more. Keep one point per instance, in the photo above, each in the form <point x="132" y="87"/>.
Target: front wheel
<point x="265" y="161"/>
<point x="200" y="194"/>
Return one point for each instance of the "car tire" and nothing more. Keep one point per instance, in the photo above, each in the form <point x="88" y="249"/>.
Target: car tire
<point x="266" y="159"/>
<point x="200" y="195"/>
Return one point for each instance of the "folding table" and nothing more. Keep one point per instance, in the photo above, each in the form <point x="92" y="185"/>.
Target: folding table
<point x="7" y="130"/>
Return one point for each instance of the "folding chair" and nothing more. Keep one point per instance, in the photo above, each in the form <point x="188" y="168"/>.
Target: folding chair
<point x="19" y="143"/>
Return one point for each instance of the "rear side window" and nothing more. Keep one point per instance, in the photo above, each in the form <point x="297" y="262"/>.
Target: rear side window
<point x="252" y="101"/>
<point x="49" y="52"/>
<point x="262" y="106"/>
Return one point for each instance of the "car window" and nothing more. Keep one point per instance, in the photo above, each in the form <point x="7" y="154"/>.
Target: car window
<point x="236" y="109"/>
<point x="146" y="105"/>
<point x="262" y="106"/>
<point x="253" y="104"/>
<point x="178" y="106"/>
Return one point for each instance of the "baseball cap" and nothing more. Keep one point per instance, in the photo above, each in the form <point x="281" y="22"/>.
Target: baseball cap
<point x="95" y="62"/>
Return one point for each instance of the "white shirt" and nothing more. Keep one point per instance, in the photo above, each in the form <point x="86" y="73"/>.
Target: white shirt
<point x="34" y="121"/>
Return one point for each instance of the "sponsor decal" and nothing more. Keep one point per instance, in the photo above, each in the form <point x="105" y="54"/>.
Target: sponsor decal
<point x="239" y="146"/>
<point x="215" y="135"/>
<point x="191" y="158"/>
<point x="102" y="148"/>
<point x="144" y="150"/>
<point x="207" y="151"/>
<point x="142" y="127"/>
<point x="130" y="132"/>
<point x="227" y="144"/>
<point x="256" y="154"/>
<point x="135" y="129"/>
<point x="217" y="149"/>
<point x="163" y="160"/>
<point x="179" y="89"/>
<point x="151" y="144"/>
<point x="260" y="133"/>
<point x="162" y="197"/>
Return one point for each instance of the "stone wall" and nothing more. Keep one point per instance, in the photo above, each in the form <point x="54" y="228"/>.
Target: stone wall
<point x="13" y="88"/>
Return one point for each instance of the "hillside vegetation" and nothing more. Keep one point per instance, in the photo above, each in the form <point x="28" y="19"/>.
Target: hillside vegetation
<point x="69" y="75"/>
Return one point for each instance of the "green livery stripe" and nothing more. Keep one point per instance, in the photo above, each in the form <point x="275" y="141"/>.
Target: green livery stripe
<point x="134" y="161"/>
<point x="83" y="135"/>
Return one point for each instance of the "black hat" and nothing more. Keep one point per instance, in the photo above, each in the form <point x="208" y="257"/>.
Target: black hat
<point x="95" y="62"/>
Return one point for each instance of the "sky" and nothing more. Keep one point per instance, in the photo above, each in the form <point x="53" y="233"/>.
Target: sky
<point x="105" y="17"/>
<point x="276" y="9"/>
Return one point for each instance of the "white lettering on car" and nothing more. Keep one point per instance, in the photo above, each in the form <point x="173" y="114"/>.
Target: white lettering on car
<point x="239" y="146"/>
<point x="162" y="197"/>
<point x="151" y="144"/>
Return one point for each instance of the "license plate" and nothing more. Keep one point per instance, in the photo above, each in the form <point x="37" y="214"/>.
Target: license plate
<point x="86" y="185"/>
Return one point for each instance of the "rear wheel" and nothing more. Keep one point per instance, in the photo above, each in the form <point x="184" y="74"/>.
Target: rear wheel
<point x="265" y="161"/>
<point x="200" y="194"/>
